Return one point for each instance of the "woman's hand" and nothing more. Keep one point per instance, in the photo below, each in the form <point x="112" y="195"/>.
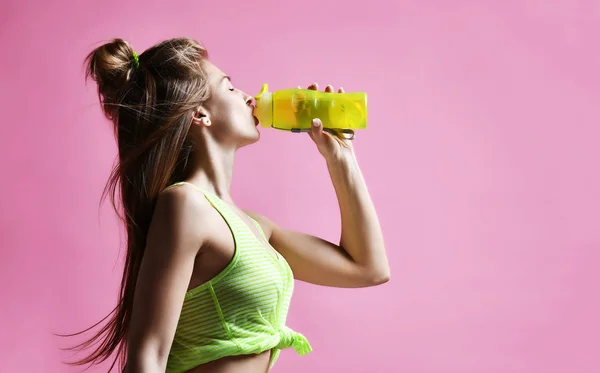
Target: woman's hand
<point x="332" y="147"/>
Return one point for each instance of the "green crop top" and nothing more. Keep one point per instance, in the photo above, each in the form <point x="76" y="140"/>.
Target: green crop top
<point x="243" y="309"/>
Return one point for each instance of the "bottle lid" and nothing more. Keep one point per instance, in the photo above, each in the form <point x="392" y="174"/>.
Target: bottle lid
<point x="264" y="107"/>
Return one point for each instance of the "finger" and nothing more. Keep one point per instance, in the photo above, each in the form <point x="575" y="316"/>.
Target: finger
<point x="329" y="88"/>
<point x="317" y="129"/>
<point x="341" y="90"/>
<point x="314" y="86"/>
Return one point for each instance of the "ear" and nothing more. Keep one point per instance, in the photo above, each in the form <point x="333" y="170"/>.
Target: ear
<point x="201" y="117"/>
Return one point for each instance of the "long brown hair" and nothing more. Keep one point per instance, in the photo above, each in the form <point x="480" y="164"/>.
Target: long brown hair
<point x="150" y="99"/>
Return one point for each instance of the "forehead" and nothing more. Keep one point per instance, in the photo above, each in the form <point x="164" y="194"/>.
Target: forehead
<point x="214" y="73"/>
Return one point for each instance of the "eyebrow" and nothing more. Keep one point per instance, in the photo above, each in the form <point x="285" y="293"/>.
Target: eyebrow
<point x="226" y="77"/>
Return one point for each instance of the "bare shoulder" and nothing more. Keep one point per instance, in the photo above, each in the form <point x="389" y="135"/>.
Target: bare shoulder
<point x="177" y="232"/>
<point x="181" y="212"/>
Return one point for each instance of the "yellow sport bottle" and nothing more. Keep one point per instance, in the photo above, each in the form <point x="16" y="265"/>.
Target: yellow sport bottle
<point x="294" y="109"/>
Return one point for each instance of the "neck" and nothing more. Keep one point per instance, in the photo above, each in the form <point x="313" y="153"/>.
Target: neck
<point x="212" y="169"/>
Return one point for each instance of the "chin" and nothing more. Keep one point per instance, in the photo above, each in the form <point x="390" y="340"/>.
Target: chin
<point x="256" y="136"/>
<point x="251" y="138"/>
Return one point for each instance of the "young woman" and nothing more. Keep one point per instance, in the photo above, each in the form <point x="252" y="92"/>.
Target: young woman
<point x="206" y="285"/>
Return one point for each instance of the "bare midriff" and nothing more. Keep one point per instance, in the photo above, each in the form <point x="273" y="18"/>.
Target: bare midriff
<point x="257" y="363"/>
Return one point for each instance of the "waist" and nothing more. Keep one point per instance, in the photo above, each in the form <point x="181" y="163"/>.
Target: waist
<point x="251" y="363"/>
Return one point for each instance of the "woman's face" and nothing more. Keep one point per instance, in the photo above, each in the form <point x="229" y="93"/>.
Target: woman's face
<point x="229" y="110"/>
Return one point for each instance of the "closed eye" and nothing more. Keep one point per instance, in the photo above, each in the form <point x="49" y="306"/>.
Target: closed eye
<point x="232" y="89"/>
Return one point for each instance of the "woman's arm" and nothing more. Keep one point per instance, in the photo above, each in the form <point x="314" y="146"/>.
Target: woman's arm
<point x="360" y="259"/>
<point x="175" y="236"/>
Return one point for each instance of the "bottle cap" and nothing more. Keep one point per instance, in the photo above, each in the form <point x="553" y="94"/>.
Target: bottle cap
<point x="264" y="107"/>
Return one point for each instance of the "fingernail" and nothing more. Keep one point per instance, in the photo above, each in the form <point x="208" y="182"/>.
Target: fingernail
<point x="316" y="122"/>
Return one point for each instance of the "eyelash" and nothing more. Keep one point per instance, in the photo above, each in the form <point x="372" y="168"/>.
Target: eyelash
<point x="232" y="89"/>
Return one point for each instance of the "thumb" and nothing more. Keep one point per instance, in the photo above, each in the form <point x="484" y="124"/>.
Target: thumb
<point x="317" y="128"/>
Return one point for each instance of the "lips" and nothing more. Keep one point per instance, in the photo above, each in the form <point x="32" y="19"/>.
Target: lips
<point x="252" y="110"/>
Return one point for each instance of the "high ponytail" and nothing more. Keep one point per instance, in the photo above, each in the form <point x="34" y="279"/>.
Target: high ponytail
<point x="111" y="66"/>
<point x="151" y="106"/>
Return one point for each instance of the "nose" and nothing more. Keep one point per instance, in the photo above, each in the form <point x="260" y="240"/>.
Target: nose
<point x="250" y="100"/>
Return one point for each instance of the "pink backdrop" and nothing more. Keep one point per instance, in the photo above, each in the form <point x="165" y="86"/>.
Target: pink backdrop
<point x="481" y="156"/>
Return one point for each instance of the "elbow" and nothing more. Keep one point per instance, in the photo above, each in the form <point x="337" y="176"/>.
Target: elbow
<point x="379" y="277"/>
<point x="145" y="363"/>
<point x="143" y="368"/>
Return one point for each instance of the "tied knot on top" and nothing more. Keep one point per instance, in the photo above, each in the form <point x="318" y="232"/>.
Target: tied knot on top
<point x="297" y="341"/>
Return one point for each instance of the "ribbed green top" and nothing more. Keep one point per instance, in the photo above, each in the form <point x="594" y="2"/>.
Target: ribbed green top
<point x="243" y="309"/>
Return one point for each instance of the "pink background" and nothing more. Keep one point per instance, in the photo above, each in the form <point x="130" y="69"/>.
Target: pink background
<point x="481" y="157"/>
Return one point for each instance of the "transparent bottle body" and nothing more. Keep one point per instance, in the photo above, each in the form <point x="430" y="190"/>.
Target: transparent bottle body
<point x="296" y="108"/>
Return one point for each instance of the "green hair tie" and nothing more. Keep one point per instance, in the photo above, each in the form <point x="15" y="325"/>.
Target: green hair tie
<point x="136" y="60"/>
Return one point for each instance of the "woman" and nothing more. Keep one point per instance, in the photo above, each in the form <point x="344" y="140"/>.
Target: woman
<point x="206" y="285"/>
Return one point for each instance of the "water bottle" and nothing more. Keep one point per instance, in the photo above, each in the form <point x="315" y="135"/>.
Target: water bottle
<point x="294" y="109"/>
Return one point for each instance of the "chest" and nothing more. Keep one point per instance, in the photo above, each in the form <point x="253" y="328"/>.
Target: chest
<point x="236" y="237"/>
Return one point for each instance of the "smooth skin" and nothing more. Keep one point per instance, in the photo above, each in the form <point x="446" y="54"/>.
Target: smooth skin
<point x="189" y="242"/>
